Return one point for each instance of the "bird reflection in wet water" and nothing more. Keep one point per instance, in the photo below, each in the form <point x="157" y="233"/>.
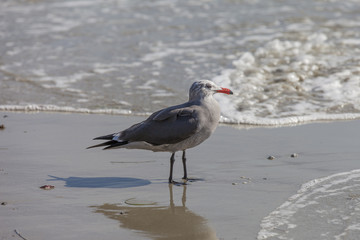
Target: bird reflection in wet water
<point x="161" y="222"/>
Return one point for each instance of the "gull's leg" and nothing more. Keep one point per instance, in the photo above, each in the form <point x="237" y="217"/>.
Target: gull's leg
<point x="172" y="160"/>
<point x="184" y="165"/>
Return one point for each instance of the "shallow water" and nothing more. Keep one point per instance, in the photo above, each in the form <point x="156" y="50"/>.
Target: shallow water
<point x="325" y="208"/>
<point x="159" y="222"/>
<point x="286" y="62"/>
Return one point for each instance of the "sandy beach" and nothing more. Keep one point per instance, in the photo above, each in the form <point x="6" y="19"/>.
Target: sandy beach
<point x="124" y="194"/>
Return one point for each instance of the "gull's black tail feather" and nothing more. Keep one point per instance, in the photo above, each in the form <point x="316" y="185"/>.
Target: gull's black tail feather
<point x="106" y="137"/>
<point x="115" y="144"/>
<point x="109" y="144"/>
<point x="102" y="144"/>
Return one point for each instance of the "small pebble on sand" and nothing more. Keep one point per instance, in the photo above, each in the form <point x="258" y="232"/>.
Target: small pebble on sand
<point x="47" y="187"/>
<point x="270" y="157"/>
<point x="247" y="178"/>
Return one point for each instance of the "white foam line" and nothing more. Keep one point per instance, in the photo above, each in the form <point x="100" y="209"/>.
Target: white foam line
<point x="250" y="120"/>
<point x="246" y="122"/>
<point x="53" y="108"/>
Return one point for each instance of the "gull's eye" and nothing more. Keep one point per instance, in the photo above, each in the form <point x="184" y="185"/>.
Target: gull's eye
<point x="208" y="85"/>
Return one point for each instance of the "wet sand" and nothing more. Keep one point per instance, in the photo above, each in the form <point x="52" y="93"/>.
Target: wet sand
<point x="124" y="194"/>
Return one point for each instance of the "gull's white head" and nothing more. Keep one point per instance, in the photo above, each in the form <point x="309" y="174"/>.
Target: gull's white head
<point x="204" y="88"/>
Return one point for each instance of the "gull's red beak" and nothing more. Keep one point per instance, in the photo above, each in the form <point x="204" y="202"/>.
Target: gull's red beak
<point x="225" y="90"/>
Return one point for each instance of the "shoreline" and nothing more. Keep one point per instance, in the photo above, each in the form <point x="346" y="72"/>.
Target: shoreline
<point x="236" y="187"/>
<point x="244" y="123"/>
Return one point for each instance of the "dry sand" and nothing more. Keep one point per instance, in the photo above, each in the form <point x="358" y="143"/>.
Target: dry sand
<point x="124" y="194"/>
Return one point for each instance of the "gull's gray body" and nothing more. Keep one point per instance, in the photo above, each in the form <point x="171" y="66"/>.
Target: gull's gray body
<point x="175" y="128"/>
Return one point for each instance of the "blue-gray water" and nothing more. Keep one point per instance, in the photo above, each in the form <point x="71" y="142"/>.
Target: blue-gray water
<point x="286" y="61"/>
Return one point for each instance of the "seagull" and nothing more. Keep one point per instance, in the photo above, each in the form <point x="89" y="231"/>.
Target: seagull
<point x="176" y="128"/>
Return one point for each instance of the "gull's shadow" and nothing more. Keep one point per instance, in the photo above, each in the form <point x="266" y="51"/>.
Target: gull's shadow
<point x="101" y="182"/>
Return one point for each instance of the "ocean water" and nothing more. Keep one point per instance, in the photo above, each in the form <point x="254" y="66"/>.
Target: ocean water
<point x="324" y="208"/>
<point x="286" y="61"/>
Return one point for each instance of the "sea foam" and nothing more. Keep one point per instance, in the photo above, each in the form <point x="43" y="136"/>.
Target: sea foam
<point x="289" y="82"/>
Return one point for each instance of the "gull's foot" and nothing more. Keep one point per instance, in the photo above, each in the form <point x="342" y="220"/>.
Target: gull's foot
<point x="190" y="180"/>
<point x="185" y="181"/>
<point x="178" y="183"/>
